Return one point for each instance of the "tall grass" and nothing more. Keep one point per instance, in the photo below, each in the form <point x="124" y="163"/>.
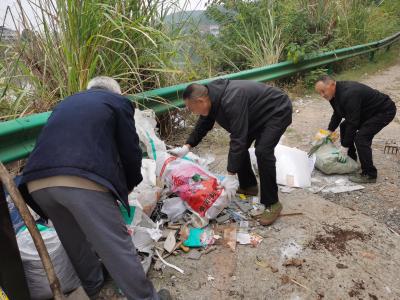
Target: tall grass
<point x="310" y="26"/>
<point x="66" y="43"/>
<point x="263" y="47"/>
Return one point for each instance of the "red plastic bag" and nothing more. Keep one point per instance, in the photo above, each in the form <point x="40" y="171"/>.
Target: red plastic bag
<point x="197" y="187"/>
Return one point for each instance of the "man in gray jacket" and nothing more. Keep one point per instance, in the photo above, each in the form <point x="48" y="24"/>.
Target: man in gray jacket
<point x="249" y="111"/>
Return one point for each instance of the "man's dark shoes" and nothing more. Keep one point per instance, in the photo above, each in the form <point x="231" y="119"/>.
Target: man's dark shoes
<point x="164" y="294"/>
<point x="362" y="178"/>
<point x="270" y="214"/>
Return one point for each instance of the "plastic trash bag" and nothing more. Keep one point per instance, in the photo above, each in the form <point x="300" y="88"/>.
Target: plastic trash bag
<point x="197" y="187"/>
<point x="327" y="162"/>
<point x="146" y="194"/>
<point x="143" y="230"/>
<point x="204" y="162"/>
<point x="174" y="208"/>
<point x="145" y="122"/>
<point x="146" y="198"/>
<point x="148" y="171"/>
<point x="36" y="278"/>
<point x="16" y="218"/>
<point x="293" y="166"/>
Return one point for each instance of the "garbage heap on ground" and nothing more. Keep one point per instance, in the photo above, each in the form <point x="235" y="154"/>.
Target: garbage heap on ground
<point x="180" y="206"/>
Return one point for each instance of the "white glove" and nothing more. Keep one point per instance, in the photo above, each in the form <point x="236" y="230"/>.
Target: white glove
<point x="342" y="154"/>
<point x="180" y="151"/>
<point x="230" y="184"/>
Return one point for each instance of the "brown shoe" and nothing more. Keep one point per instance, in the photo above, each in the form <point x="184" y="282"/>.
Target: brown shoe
<point x="250" y="191"/>
<point x="270" y="214"/>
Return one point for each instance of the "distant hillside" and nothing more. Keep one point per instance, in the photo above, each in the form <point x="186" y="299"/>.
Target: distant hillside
<point x="194" y="17"/>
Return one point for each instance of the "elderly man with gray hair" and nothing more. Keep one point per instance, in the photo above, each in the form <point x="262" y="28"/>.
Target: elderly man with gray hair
<point x="87" y="158"/>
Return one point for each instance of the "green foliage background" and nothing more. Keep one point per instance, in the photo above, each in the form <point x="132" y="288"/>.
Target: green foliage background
<point x="132" y="42"/>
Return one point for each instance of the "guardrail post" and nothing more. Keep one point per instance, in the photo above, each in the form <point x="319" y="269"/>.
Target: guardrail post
<point x="388" y="48"/>
<point x="12" y="276"/>
<point x="371" y="56"/>
<point x="330" y="69"/>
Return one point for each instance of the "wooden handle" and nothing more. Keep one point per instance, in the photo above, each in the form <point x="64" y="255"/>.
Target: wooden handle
<point x="31" y="225"/>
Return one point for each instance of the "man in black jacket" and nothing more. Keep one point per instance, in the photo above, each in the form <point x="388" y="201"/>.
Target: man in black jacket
<point x="249" y="111"/>
<point x="86" y="158"/>
<point x="365" y="112"/>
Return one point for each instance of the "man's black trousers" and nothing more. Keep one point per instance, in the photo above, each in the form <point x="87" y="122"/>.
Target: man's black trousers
<point x="364" y="136"/>
<point x="266" y="140"/>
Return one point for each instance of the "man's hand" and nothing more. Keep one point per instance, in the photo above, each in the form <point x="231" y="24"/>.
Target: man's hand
<point x="180" y="151"/>
<point x="325" y="134"/>
<point x="230" y="184"/>
<point x="342" y="154"/>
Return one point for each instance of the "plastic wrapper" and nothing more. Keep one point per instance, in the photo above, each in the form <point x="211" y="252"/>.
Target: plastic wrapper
<point x="36" y="278"/>
<point x="3" y="295"/>
<point x="199" y="238"/>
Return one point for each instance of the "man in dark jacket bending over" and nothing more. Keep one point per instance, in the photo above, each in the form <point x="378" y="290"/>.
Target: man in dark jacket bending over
<point x="86" y="158"/>
<point x="249" y="111"/>
<point x="365" y="112"/>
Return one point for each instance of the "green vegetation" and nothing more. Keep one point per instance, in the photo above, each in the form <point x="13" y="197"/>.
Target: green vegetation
<point x="301" y="27"/>
<point x="360" y="67"/>
<point x="144" y="46"/>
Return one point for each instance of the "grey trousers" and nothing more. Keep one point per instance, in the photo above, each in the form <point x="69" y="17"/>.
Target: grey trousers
<point x="87" y="222"/>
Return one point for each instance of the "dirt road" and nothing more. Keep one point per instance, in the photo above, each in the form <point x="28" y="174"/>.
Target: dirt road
<point x="343" y="241"/>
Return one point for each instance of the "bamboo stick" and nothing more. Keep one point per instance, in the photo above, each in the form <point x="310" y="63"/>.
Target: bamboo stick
<point x="16" y="196"/>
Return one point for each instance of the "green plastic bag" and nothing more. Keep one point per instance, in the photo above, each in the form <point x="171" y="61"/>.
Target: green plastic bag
<point x="327" y="160"/>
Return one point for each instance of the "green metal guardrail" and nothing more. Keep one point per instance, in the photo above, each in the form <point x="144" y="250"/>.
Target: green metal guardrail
<point x="17" y="137"/>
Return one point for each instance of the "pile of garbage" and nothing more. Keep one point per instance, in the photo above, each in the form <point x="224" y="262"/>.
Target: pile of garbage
<point x="180" y="207"/>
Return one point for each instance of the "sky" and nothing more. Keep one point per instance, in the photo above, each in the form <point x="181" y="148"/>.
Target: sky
<point x="13" y="4"/>
<point x="187" y="4"/>
<point x="193" y="4"/>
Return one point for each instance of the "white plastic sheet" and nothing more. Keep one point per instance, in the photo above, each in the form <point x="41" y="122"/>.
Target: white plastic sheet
<point x="293" y="166"/>
<point x="333" y="184"/>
